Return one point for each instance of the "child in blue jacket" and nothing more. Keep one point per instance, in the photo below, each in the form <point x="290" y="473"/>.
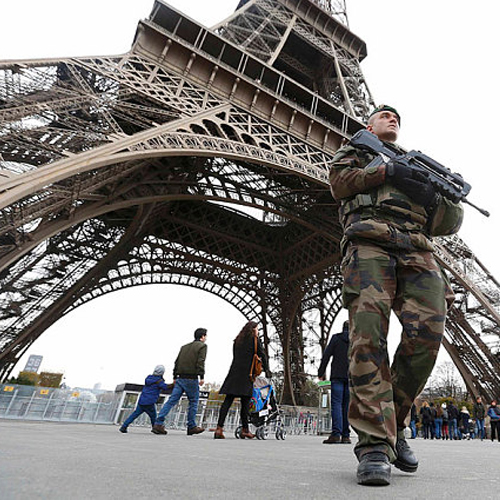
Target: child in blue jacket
<point x="148" y="398"/>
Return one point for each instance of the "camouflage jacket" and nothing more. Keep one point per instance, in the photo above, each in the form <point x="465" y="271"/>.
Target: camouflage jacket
<point x="372" y="209"/>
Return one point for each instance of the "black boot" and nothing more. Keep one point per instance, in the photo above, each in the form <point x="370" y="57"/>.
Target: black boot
<point x="406" y="459"/>
<point x="374" y="469"/>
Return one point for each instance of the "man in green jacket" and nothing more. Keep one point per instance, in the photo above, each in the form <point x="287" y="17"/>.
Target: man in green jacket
<point x="389" y="214"/>
<point x="189" y="367"/>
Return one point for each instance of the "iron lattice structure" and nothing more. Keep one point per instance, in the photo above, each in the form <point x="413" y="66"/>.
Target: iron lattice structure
<point x="200" y="157"/>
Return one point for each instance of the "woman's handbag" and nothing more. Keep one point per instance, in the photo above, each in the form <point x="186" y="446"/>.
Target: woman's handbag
<point x="256" y="368"/>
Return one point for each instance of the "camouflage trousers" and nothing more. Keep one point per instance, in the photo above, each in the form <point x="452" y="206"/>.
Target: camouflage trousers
<point x="410" y="283"/>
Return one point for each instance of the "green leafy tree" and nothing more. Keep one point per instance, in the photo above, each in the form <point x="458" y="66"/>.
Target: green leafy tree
<point x="26" y="378"/>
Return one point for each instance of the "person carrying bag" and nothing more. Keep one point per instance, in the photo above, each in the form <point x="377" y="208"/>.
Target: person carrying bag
<point x="249" y="359"/>
<point x="256" y="368"/>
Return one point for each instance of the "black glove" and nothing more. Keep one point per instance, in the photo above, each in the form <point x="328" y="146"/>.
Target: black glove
<point x="398" y="173"/>
<point x="415" y="183"/>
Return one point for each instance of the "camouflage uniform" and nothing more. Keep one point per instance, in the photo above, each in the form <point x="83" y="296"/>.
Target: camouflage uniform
<point x="388" y="264"/>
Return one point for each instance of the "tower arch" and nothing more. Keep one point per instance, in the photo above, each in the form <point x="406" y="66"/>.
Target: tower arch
<point x="101" y="154"/>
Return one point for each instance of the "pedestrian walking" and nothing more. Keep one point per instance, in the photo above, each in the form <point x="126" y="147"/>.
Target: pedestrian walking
<point x="189" y="375"/>
<point x="153" y="385"/>
<point x="239" y="382"/>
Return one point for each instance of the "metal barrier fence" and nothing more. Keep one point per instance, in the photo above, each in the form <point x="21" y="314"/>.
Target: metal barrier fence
<point x="107" y="407"/>
<point x="43" y="403"/>
<point x="296" y="420"/>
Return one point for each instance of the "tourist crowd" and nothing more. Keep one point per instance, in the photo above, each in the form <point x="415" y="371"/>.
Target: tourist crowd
<point x="444" y="420"/>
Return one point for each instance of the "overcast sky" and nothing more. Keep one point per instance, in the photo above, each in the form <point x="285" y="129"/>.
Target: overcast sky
<point x="436" y="62"/>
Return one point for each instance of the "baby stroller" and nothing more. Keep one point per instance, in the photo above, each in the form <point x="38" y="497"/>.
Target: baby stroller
<point x="264" y="411"/>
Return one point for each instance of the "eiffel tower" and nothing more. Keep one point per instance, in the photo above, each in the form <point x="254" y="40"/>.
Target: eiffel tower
<point x="201" y="157"/>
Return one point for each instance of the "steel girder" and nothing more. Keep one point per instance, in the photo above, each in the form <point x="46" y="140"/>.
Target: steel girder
<point x="110" y="181"/>
<point x="309" y="40"/>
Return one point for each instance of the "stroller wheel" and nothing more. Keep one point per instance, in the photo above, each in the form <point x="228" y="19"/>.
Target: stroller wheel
<point x="237" y="432"/>
<point x="282" y="434"/>
<point x="263" y="432"/>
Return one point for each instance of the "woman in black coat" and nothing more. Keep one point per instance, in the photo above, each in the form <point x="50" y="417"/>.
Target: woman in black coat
<point x="238" y="383"/>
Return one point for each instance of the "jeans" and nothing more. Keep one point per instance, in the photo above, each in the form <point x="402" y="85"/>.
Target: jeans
<point x="139" y="410"/>
<point x="453" y="428"/>
<point x="481" y="431"/>
<point x="438" y="422"/>
<point x="192" y="390"/>
<point x="413" y="428"/>
<point x="340" y="407"/>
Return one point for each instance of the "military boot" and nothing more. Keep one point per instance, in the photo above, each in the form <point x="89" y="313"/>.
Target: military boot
<point x="406" y="459"/>
<point x="374" y="469"/>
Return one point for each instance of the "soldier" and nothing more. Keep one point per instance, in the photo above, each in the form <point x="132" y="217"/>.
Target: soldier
<point x="389" y="214"/>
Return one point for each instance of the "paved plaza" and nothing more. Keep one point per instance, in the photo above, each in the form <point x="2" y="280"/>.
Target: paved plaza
<point x="52" y="461"/>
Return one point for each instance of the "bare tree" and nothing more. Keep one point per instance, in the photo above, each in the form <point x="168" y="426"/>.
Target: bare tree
<point x="445" y="381"/>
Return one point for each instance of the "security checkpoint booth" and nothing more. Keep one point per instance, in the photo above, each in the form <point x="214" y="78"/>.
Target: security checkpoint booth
<point x="324" y="407"/>
<point x="176" y="419"/>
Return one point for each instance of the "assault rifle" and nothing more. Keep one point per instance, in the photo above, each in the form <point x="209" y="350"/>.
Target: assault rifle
<point x="450" y="185"/>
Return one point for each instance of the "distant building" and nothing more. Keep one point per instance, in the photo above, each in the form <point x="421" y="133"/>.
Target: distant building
<point x="33" y="363"/>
